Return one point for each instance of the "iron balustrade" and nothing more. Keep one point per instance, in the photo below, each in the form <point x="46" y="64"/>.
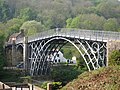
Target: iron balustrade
<point x="76" y="33"/>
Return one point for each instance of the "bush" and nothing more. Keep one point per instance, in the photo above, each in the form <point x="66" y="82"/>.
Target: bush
<point x="11" y="75"/>
<point x="56" y="85"/>
<point x="1" y="51"/>
<point x="44" y="85"/>
<point x="65" y="74"/>
<point x="114" y="58"/>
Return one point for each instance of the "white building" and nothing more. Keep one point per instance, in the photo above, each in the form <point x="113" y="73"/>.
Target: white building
<point x="57" y="57"/>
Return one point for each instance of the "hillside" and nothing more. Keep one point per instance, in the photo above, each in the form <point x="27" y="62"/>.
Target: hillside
<point x="102" y="79"/>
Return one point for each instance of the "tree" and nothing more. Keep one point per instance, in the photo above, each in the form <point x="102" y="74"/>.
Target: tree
<point x="96" y="2"/>
<point x="54" y="13"/>
<point x="27" y="14"/>
<point x="87" y="21"/>
<point x="111" y="25"/>
<point x="32" y="27"/>
<point x="1" y="50"/>
<point x="114" y="58"/>
<point x="5" y="11"/>
<point x="12" y="26"/>
<point x="109" y="8"/>
<point x="76" y="22"/>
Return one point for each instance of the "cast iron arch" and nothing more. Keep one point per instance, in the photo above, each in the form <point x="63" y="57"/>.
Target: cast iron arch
<point x="46" y="46"/>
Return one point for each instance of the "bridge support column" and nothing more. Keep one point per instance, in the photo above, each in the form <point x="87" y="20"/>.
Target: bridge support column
<point x="14" y="54"/>
<point x="25" y="53"/>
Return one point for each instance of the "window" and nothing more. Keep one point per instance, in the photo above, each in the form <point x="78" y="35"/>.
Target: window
<point x="55" y="60"/>
<point x="57" y="55"/>
<point x="58" y="60"/>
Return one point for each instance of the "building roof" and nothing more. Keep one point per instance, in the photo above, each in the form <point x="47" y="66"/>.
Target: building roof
<point x="16" y="36"/>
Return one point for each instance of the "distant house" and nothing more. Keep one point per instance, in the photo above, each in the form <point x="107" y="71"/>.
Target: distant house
<point x="57" y="57"/>
<point x="15" y="36"/>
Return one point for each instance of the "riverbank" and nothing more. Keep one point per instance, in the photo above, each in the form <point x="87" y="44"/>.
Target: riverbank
<point x="106" y="78"/>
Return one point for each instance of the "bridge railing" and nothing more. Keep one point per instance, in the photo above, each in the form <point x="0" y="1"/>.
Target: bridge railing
<point x="107" y="35"/>
<point x="95" y="34"/>
<point x="41" y="35"/>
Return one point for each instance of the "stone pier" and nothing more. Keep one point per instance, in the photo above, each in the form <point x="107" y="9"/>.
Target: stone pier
<point x="25" y="53"/>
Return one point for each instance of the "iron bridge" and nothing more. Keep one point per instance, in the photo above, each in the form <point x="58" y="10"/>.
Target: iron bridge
<point x="91" y="44"/>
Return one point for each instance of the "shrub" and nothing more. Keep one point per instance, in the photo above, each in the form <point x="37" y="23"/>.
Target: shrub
<point x="44" y="85"/>
<point x="65" y="73"/>
<point x="114" y="58"/>
<point x="1" y="51"/>
<point x="56" y="85"/>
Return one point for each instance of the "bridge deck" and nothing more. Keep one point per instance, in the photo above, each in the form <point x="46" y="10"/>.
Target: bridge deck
<point x="94" y="35"/>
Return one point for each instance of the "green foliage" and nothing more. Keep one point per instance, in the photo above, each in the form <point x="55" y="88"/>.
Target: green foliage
<point x="1" y="51"/>
<point x="87" y="21"/>
<point x="27" y="14"/>
<point x="111" y="25"/>
<point x="84" y="14"/>
<point x="5" y="12"/>
<point x="13" y="26"/>
<point x="26" y="79"/>
<point x="114" y="58"/>
<point x="96" y="2"/>
<point x="53" y="19"/>
<point x="68" y="21"/>
<point x="109" y="8"/>
<point x="44" y="85"/>
<point x="32" y="27"/>
<point x="75" y="23"/>
<point x="11" y="75"/>
<point x="107" y="78"/>
<point x="65" y="73"/>
<point x="112" y="87"/>
<point x="70" y="51"/>
<point x="67" y="53"/>
<point x="56" y="85"/>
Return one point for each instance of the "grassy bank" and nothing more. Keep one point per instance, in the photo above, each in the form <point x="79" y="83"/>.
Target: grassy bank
<point x="102" y="79"/>
<point x="11" y="75"/>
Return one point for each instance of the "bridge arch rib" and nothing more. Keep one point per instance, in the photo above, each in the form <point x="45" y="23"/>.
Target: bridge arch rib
<point x="39" y="53"/>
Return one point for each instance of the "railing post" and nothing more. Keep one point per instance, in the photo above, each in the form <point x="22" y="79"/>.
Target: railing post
<point x="49" y="86"/>
<point x="32" y="87"/>
<point x="3" y="86"/>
